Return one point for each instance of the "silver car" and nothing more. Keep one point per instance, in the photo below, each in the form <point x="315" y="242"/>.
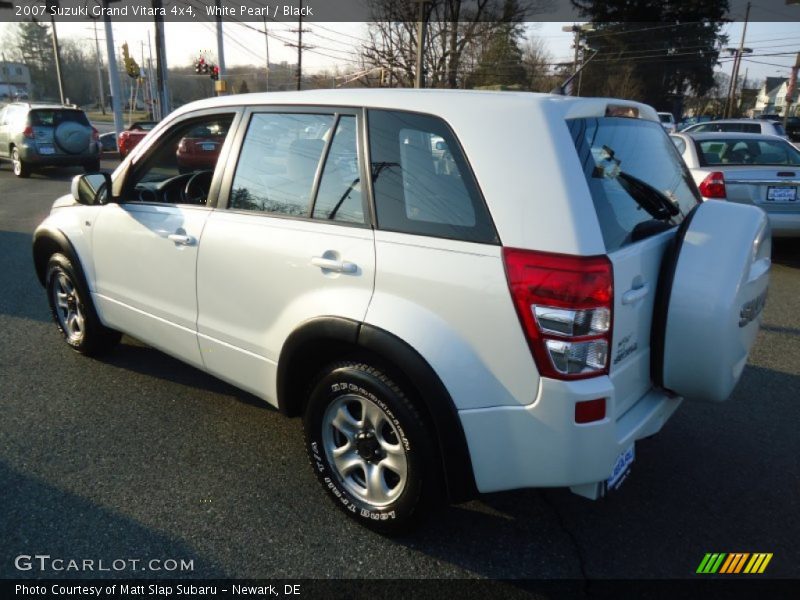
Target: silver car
<point x="761" y="126"/>
<point x="762" y="170"/>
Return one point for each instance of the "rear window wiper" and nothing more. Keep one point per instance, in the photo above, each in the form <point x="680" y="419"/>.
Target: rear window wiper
<point x="656" y="203"/>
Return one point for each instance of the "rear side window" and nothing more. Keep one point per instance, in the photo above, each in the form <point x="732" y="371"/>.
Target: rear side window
<point x="278" y="163"/>
<point x="421" y="180"/>
<point x="614" y="151"/>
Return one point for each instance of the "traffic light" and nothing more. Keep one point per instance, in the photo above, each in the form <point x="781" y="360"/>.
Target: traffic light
<point x="214" y="72"/>
<point x="198" y="65"/>
<point x="131" y="67"/>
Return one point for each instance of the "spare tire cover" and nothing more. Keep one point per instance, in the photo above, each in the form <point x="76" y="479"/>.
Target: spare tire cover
<point x="710" y="301"/>
<point x="72" y="137"/>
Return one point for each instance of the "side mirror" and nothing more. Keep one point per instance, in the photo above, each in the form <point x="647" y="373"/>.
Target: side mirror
<point x="91" y="188"/>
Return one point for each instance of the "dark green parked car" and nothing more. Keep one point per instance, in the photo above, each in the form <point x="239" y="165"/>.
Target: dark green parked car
<point x="47" y="135"/>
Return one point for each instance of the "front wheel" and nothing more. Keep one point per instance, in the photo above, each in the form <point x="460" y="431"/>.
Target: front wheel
<point x="73" y="311"/>
<point x="369" y="447"/>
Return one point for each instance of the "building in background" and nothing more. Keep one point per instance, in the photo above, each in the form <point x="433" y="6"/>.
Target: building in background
<point x="15" y="81"/>
<point x="767" y="96"/>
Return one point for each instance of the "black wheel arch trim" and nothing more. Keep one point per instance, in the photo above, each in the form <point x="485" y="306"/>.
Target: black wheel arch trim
<point x="45" y="242"/>
<point x="399" y="355"/>
<point x="666" y="277"/>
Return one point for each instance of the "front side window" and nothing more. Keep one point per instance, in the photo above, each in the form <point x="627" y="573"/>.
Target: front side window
<point x="179" y="168"/>
<point x="421" y="180"/>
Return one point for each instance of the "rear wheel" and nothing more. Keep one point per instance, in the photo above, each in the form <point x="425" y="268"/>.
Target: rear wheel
<point x="20" y="168"/>
<point x="369" y="447"/>
<point x="72" y="309"/>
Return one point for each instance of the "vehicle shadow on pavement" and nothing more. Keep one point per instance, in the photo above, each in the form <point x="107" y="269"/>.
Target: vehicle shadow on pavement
<point x="137" y="357"/>
<point x="719" y="477"/>
<point x="19" y="279"/>
<point x="786" y="252"/>
<point x="57" y="173"/>
<point x="39" y="518"/>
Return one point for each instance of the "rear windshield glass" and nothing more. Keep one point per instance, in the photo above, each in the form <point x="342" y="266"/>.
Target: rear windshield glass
<point x="665" y="118"/>
<point x="732" y="151"/>
<point x="779" y="129"/>
<point x="615" y="151"/>
<point x="53" y="118"/>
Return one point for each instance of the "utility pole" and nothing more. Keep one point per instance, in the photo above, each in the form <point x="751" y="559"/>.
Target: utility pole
<point x="300" y="47"/>
<point x="579" y="56"/>
<point x="50" y="4"/>
<point x="790" y="87"/>
<point x="419" y="76"/>
<point x="100" y="88"/>
<point x="113" y="74"/>
<point x="266" y="42"/>
<point x="219" y="84"/>
<point x="736" y="62"/>
<point x="161" y="60"/>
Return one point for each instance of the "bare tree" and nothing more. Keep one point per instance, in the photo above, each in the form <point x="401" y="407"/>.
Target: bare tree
<point x="457" y="32"/>
<point x="538" y="61"/>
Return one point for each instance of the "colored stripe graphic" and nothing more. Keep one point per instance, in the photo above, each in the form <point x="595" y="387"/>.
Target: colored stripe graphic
<point x="711" y="563"/>
<point x="758" y="563"/>
<point x="733" y="563"/>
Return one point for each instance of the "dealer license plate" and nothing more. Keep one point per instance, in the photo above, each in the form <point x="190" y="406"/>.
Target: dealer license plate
<point x="621" y="468"/>
<point x="46" y="150"/>
<point x="208" y="147"/>
<point x="782" y="194"/>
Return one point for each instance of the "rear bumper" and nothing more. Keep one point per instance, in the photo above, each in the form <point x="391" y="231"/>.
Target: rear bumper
<point x="540" y="445"/>
<point x="30" y="155"/>
<point x="784" y="224"/>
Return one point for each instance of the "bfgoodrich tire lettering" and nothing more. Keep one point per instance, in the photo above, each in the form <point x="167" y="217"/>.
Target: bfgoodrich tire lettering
<point x="369" y="447"/>
<point x="72" y="309"/>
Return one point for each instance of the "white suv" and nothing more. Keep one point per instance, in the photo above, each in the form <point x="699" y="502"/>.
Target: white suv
<point x="459" y="292"/>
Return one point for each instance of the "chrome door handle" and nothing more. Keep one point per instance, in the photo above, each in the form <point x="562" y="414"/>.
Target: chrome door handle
<point x="181" y="239"/>
<point x="330" y="264"/>
<point x="634" y="295"/>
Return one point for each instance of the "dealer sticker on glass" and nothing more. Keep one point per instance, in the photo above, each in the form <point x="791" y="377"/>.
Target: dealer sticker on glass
<point x="621" y="468"/>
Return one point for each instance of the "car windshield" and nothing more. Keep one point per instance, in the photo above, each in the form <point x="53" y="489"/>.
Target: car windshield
<point x="665" y="118"/>
<point x="754" y="151"/>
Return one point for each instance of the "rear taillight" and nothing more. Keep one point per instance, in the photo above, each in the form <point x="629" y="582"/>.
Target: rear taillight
<point x="182" y="146"/>
<point x="565" y="305"/>
<point x="713" y="186"/>
<point x="95" y="135"/>
<point x="28" y="132"/>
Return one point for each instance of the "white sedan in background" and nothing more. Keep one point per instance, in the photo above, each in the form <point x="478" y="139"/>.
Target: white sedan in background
<point x="762" y="170"/>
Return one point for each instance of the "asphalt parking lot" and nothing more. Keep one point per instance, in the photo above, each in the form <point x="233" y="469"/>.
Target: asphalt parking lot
<point x="138" y="456"/>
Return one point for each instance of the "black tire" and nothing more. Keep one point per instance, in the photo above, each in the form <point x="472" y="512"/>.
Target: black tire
<point x="352" y="385"/>
<point x="92" y="166"/>
<point x="66" y="285"/>
<point x="20" y="168"/>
